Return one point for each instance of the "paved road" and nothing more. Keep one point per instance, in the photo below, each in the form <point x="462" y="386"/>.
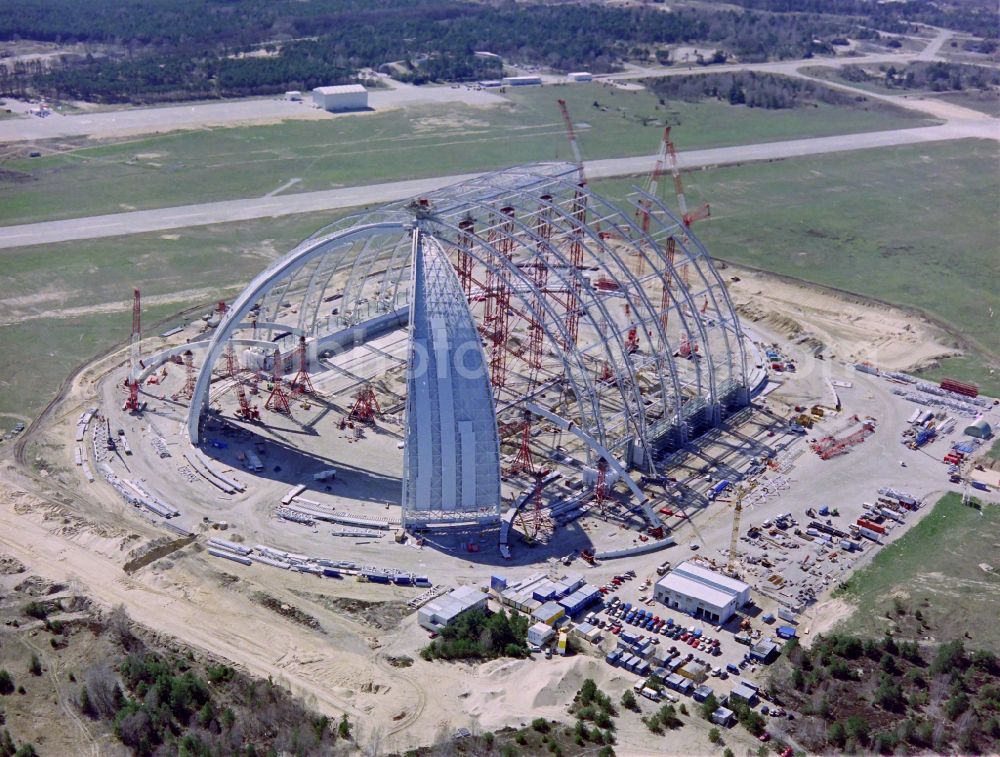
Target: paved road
<point x="94" y="227"/>
<point x="132" y="121"/>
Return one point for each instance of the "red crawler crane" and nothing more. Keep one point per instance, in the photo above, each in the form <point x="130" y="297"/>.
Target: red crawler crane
<point x="652" y="188"/>
<point x="302" y="384"/>
<point x="132" y="384"/>
<point x="703" y="211"/>
<point x="366" y="407"/>
<point x="277" y="400"/>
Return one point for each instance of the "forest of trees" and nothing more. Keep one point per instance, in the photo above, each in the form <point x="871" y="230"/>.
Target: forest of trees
<point x="889" y="696"/>
<point x="977" y="17"/>
<point x="160" y="50"/>
<point x="755" y="90"/>
<point x="183" y="49"/>
<point x="935" y="76"/>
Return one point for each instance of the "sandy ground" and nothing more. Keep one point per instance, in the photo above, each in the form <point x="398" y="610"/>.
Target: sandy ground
<point x="847" y="328"/>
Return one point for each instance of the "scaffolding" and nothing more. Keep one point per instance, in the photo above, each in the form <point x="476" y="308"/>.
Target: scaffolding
<point x="528" y="247"/>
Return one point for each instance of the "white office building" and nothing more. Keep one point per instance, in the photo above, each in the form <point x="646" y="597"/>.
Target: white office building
<point x="443" y="611"/>
<point x="341" y="98"/>
<point x="701" y="592"/>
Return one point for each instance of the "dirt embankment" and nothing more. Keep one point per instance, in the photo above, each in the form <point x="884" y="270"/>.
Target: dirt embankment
<point x="849" y="327"/>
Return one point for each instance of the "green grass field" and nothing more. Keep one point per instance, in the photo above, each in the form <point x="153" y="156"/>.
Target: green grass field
<point x="934" y="568"/>
<point x="65" y="303"/>
<point x="874" y="223"/>
<point x="867" y="222"/>
<point x="226" y="163"/>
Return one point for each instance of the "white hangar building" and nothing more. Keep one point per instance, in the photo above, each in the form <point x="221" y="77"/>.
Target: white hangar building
<point x="704" y="593"/>
<point x="341" y="98"/>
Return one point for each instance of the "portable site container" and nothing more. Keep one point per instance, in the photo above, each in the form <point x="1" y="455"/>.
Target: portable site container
<point x="869" y="534"/>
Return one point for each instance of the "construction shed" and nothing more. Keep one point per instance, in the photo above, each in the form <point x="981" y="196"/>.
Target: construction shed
<point x="745" y="692"/>
<point x="723" y="717"/>
<point x="701" y="592"/>
<point x="979" y="429"/>
<point x="441" y="612"/>
<point x="341" y="98"/>
<point x="548" y="613"/>
<point x="580" y="599"/>
<point x="522" y="81"/>
<point x="539" y="634"/>
<point x="764" y="651"/>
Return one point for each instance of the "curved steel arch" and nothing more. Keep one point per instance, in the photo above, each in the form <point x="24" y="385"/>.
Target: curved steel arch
<point x="262" y="284"/>
<point x="366" y="257"/>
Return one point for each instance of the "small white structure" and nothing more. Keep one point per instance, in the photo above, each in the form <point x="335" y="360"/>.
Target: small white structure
<point x="341" y="98"/>
<point x="701" y="592"/>
<point x="580" y="76"/>
<point x="443" y="611"/>
<point x="522" y="81"/>
<point x="539" y="634"/>
<point x="294" y="95"/>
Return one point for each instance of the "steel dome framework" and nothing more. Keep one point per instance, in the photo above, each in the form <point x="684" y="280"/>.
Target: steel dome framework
<point x="616" y="322"/>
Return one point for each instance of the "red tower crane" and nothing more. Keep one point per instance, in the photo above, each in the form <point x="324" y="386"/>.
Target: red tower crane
<point x="644" y="210"/>
<point x="246" y="411"/>
<point x="466" y="229"/>
<point x="302" y="384"/>
<point x="601" y="486"/>
<point x="632" y="340"/>
<point x="576" y="239"/>
<point x="523" y="462"/>
<point x="536" y="498"/>
<point x="540" y="279"/>
<point x="187" y="391"/>
<point x="496" y="320"/>
<point x="131" y="383"/>
<point x="366" y="407"/>
<point x="277" y="400"/>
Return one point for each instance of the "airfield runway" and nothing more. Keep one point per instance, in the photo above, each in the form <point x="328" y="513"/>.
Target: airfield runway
<point x="140" y="221"/>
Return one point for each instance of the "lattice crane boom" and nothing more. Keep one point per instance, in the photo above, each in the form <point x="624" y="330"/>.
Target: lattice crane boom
<point x="703" y="211"/>
<point x="735" y="536"/>
<point x="571" y="132"/>
<point x="134" y="360"/>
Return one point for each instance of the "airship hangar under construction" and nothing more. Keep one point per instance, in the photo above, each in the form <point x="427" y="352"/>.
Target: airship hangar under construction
<point x="499" y="358"/>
